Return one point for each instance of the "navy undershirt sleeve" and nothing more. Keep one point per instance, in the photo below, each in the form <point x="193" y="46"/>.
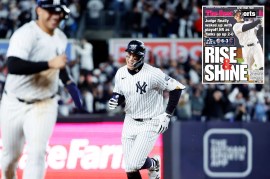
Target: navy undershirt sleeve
<point x="19" y="66"/>
<point x="174" y="97"/>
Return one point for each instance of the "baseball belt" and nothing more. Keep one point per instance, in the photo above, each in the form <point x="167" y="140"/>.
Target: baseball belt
<point x="249" y="45"/>
<point x="31" y="101"/>
<point x="141" y="120"/>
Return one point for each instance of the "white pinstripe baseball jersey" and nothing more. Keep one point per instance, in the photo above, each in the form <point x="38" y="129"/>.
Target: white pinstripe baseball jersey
<point x="251" y="49"/>
<point x="33" y="44"/>
<point x="246" y="37"/>
<point x="143" y="91"/>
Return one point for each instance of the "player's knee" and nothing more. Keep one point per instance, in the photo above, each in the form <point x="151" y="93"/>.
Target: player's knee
<point x="9" y="160"/>
<point x="37" y="156"/>
<point x="9" y="174"/>
<point x="132" y="167"/>
<point x="9" y="168"/>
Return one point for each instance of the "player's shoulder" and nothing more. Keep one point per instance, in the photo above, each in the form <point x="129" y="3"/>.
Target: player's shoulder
<point x="60" y="33"/>
<point x="26" y="30"/>
<point x="152" y="69"/>
<point x="122" y="70"/>
<point x="121" y="73"/>
<point x="237" y="24"/>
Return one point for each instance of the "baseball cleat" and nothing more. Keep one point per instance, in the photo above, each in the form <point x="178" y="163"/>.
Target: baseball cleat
<point x="154" y="173"/>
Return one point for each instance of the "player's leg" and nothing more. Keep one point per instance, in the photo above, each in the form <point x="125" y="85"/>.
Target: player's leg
<point x="134" y="175"/>
<point x="38" y="128"/>
<point x="138" y="157"/>
<point x="246" y="56"/>
<point x="154" y="170"/>
<point x="258" y="56"/>
<point x="247" y="59"/>
<point x="11" y="115"/>
<point x="128" y="138"/>
<point x="252" y="63"/>
<point x="144" y="143"/>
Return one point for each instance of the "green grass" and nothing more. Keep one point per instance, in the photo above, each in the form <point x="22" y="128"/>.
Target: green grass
<point x="239" y="60"/>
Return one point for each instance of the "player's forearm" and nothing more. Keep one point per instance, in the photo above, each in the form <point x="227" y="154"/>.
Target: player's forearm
<point x="249" y="26"/>
<point x="174" y="97"/>
<point x="72" y="88"/>
<point x="260" y="31"/>
<point x="19" y="66"/>
<point x="65" y="78"/>
<point x="121" y="98"/>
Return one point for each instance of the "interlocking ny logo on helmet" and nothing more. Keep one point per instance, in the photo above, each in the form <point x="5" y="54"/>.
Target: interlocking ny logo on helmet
<point x="137" y="47"/>
<point x="133" y="47"/>
<point x="238" y="11"/>
<point x="55" y="6"/>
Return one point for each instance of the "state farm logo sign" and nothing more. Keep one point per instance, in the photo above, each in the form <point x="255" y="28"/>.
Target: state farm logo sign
<point x="79" y="154"/>
<point x="227" y="153"/>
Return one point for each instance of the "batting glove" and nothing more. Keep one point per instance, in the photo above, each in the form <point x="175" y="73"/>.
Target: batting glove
<point x="113" y="103"/>
<point x="164" y="120"/>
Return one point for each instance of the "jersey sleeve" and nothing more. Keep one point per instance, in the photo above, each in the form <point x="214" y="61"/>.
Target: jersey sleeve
<point x="20" y="44"/>
<point x="165" y="82"/>
<point x="117" y="84"/>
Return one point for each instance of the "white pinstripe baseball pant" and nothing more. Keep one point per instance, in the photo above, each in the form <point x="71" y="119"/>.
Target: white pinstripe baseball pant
<point x="30" y="123"/>
<point x="138" y="139"/>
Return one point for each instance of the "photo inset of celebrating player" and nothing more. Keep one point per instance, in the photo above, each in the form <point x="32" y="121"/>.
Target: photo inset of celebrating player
<point x="28" y="113"/>
<point x="141" y="87"/>
<point x="251" y="49"/>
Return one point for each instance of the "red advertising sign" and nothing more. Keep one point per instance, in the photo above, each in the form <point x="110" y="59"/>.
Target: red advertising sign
<point x="163" y="48"/>
<point x="88" y="150"/>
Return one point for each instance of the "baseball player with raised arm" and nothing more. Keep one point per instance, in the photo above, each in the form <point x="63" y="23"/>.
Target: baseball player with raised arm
<point x="251" y="49"/>
<point x="141" y="87"/>
<point x="35" y="60"/>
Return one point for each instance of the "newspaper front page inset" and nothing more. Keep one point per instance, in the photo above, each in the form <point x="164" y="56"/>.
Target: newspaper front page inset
<point x="233" y="44"/>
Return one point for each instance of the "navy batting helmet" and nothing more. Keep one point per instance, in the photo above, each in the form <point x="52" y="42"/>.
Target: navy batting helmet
<point x="237" y="11"/>
<point x="54" y="6"/>
<point x="137" y="47"/>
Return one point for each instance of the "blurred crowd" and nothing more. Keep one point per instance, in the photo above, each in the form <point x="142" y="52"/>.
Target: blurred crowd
<point x="148" y="19"/>
<point x="15" y="13"/>
<point x="128" y="18"/>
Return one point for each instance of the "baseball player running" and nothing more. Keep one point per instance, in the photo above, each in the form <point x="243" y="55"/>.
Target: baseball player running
<point x="251" y="48"/>
<point x="141" y="87"/>
<point x="28" y="108"/>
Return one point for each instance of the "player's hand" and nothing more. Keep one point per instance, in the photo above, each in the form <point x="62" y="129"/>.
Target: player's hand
<point x="113" y="103"/>
<point x="164" y="120"/>
<point x="58" y="62"/>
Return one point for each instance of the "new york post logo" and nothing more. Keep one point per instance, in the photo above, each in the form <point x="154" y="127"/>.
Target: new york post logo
<point x="227" y="153"/>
